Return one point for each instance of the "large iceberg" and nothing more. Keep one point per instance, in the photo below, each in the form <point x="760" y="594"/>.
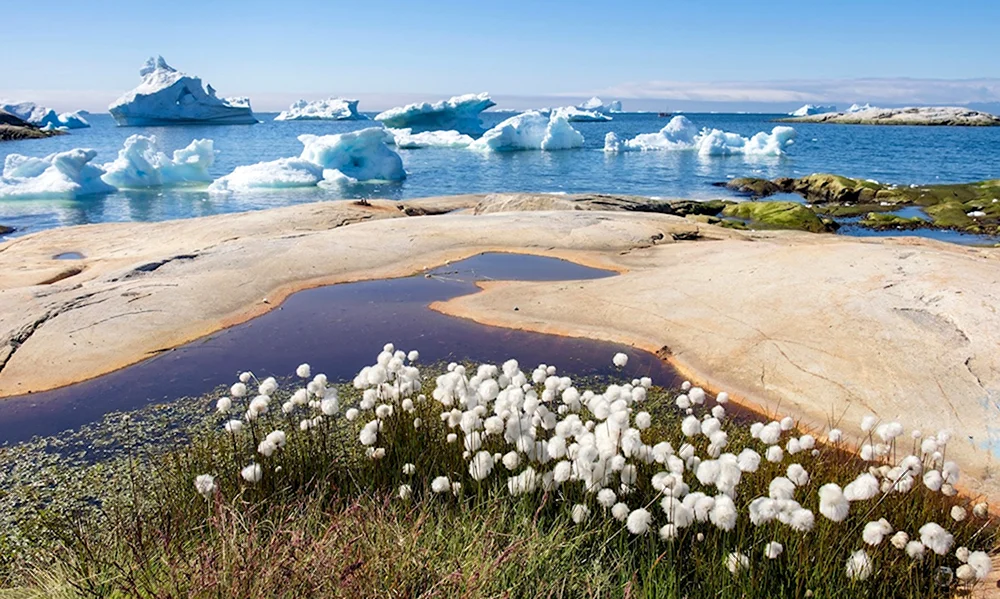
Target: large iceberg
<point x="45" y="118"/>
<point x="530" y="130"/>
<point x="331" y="109"/>
<point x="140" y="165"/>
<point x="577" y="115"/>
<point x="343" y="158"/>
<point x="63" y="175"/>
<point x="597" y="105"/>
<point x="681" y="134"/>
<point x="460" y="113"/>
<point x="168" y="97"/>
<point x="809" y="109"/>
<point x="406" y="139"/>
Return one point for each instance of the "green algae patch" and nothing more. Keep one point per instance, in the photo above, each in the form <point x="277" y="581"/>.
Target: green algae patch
<point x="779" y="215"/>
<point x="882" y="222"/>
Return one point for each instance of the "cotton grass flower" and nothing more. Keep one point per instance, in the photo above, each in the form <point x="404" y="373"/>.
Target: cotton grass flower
<point x="619" y="360"/>
<point x="405" y="492"/>
<point x="936" y="538"/>
<point x="875" y="531"/>
<point x="772" y="550"/>
<point x="606" y="498"/>
<point x="915" y="550"/>
<point x="481" y="465"/>
<point x="409" y="469"/>
<point x="303" y="371"/>
<point x="958" y="513"/>
<point x="981" y="510"/>
<point x="441" y="484"/>
<point x="205" y="485"/>
<point x="737" y="562"/>
<point x="581" y="512"/>
<point x="620" y="512"/>
<point x="234" y="426"/>
<point x="859" y="565"/>
<point x="900" y="540"/>
<point x="832" y="503"/>
<point x="252" y="473"/>
<point x="981" y="564"/>
<point x="638" y="521"/>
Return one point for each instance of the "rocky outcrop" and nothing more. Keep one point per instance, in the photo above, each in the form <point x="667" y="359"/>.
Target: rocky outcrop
<point x="969" y="207"/>
<point x="13" y="128"/>
<point x="780" y="215"/>
<point x="923" y="115"/>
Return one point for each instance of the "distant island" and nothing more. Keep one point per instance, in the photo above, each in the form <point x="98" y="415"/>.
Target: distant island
<point x="923" y="115"/>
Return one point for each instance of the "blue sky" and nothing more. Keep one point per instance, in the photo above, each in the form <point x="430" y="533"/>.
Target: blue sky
<point x="681" y="54"/>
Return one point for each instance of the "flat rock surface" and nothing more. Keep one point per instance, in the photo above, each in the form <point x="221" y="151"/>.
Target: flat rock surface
<point x="820" y="327"/>
<point x="923" y="115"/>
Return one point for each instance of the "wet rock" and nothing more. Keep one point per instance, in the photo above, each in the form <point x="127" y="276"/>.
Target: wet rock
<point x="780" y="215"/>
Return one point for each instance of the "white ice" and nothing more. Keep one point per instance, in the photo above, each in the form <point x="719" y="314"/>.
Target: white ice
<point x="346" y="157"/>
<point x="331" y="109"/>
<point x="597" y="105"/>
<point x="530" y="130"/>
<point x="63" y="175"/>
<point x="460" y="113"/>
<point x="168" y="97"/>
<point x="407" y="140"/>
<point x="681" y="134"/>
<point x="809" y="109"/>
<point x="577" y="115"/>
<point x="43" y="117"/>
<point x="141" y="165"/>
<point x="860" y="108"/>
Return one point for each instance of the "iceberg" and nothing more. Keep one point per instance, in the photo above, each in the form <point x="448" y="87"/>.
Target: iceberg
<point x="331" y="109"/>
<point x="405" y="139"/>
<point x="460" y="113"/>
<point x="63" y="175"/>
<point x="576" y="115"/>
<point x="343" y="158"/>
<point x="168" y="97"/>
<point x="681" y="134"/>
<point x="861" y="108"/>
<point x="530" y="130"/>
<point x="810" y="109"/>
<point x="45" y="118"/>
<point x="140" y="165"/>
<point x="597" y="105"/>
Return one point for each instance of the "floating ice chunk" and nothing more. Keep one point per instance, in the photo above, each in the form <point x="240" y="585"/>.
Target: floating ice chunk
<point x="361" y="155"/>
<point x="460" y="113"/>
<point x="597" y="105"/>
<point x="809" y="109"/>
<point x="140" y="164"/>
<point x="331" y="109"/>
<point x="576" y="115"/>
<point x="46" y="118"/>
<point x="275" y="174"/>
<point x="347" y="157"/>
<point x="530" y="130"/>
<point x="168" y="97"/>
<point x="63" y="175"/>
<point x="407" y="140"/>
<point x="681" y="134"/>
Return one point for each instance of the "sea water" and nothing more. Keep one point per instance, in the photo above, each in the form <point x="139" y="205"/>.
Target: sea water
<point x="889" y="154"/>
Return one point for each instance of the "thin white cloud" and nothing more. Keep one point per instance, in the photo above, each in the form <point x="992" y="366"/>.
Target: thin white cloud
<point x="874" y="90"/>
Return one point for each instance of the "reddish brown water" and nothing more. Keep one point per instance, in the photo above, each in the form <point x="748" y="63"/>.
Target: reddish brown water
<point x="337" y="329"/>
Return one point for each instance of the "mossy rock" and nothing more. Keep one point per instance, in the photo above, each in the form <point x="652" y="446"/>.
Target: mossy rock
<point x="755" y="187"/>
<point x="881" y="222"/>
<point x="950" y="215"/>
<point x="849" y="210"/>
<point x="780" y="215"/>
<point x="4" y="230"/>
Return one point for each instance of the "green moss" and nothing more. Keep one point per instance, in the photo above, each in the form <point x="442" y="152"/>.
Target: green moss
<point x="950" y="215"/>
<point x="849" y="210"/>
<point x="879" y="221"/>
<point x="779" y="215"/>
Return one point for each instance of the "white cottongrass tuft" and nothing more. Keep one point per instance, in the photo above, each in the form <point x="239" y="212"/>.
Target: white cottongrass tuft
<point x="981" y="510"/>
<point x="832" y="503"/>
<point x="900" y="540"/>
<point x="638" y="521"/>
<point x="441" y="484"/>
<point x="859" y="565"/>
<point x="772" y="550"/>
<point x="736" y="562"/>
<point x="958" y="513"/>
<point x="915" y="550"/>
<point x="875" y="531"/>
<point x="252" y="473"/>
<point x="303" y="371"/>
<point x="405" y="492"/>
<point x="409" y="469"/>
<point x="981" y="564"/>
<point x="205" y="485"/>
<point x="223" y="405"/>
<point x="620" y="360"/>
<point x="580" y="513"/>
<point x="238" y="390"/>
<point x="620" y="512"/>
<point x="936" y="538"/>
